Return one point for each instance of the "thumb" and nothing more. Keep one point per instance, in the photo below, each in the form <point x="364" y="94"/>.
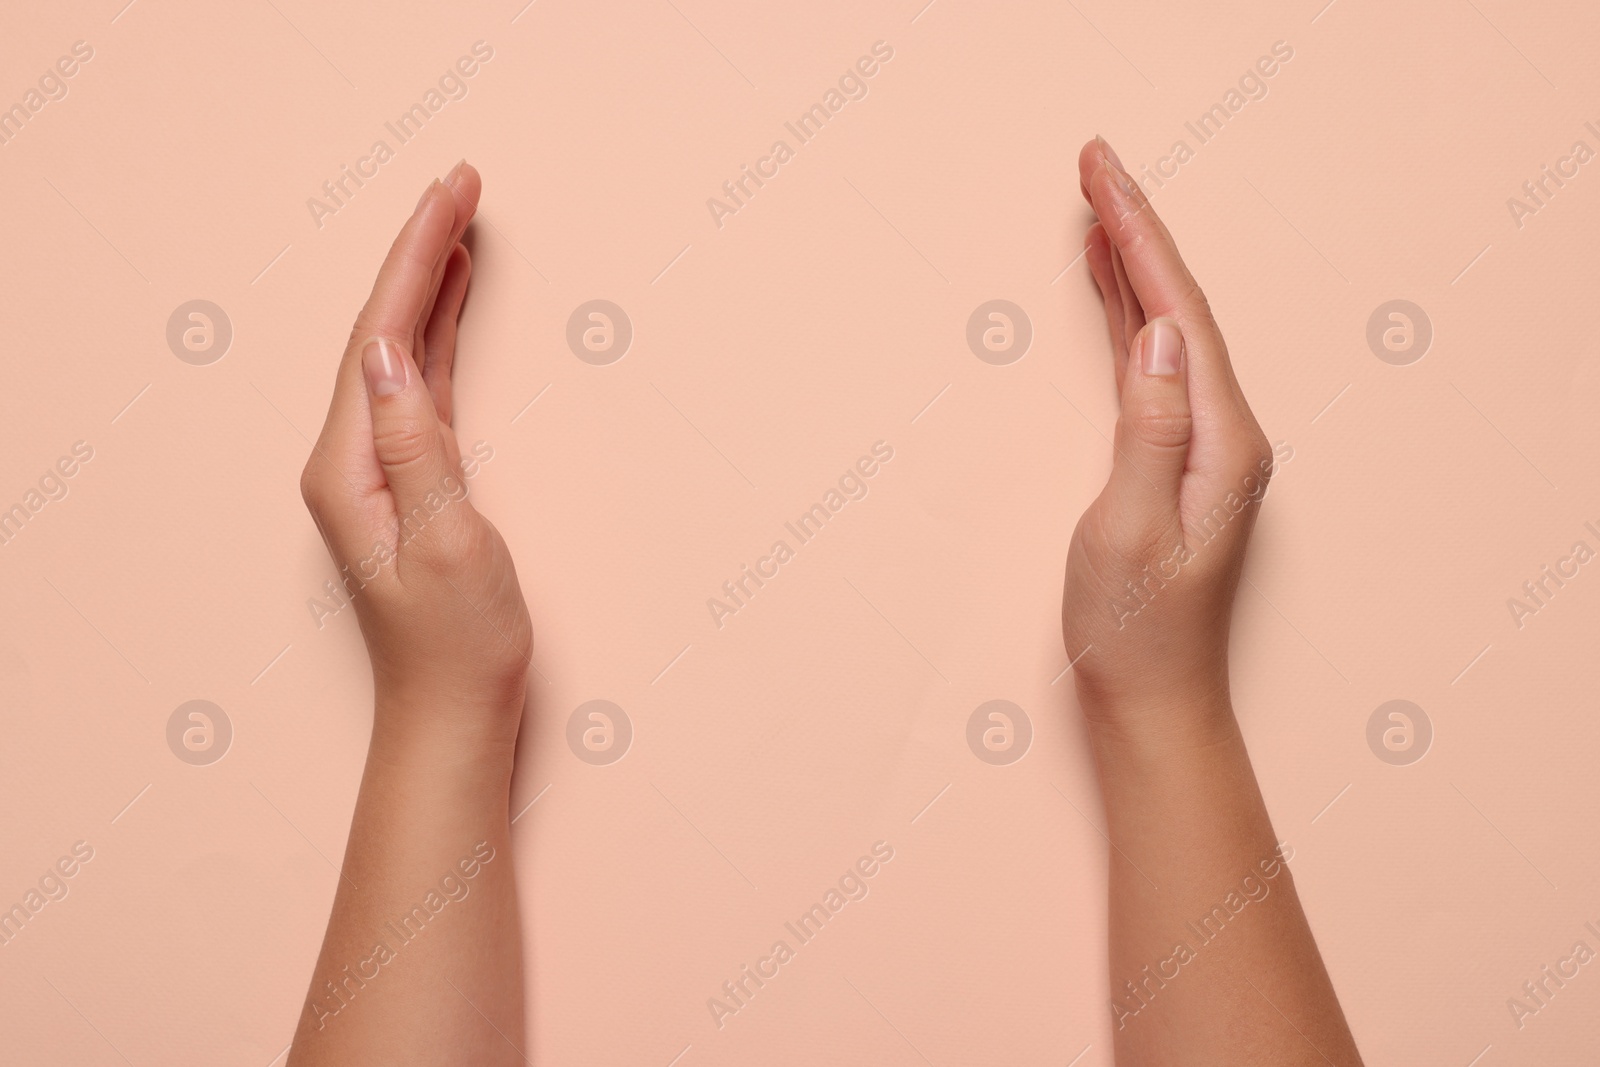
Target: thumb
<point x="405" y="424"/>
<point x="1155" y="428"/>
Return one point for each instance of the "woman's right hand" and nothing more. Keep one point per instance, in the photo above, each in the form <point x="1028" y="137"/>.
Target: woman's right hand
<point x="431" y="579"/>
<point x="1155" y="561"/>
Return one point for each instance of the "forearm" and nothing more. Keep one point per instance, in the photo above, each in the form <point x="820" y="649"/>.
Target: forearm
<point x="1212" y="960"/>
<point x="422" y="961"/>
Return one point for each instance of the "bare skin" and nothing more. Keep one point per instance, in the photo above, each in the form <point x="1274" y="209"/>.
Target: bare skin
<point x="1151" y="576"/>
<point x="422" y="961"/>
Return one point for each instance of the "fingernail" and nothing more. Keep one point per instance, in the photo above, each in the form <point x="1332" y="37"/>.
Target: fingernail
<point x="424" y="195"/>
<point x="1125" y="182"/>
<point x="385" y="367"/>
<point x="453" y="179"/>
<point x="1163" y="348"/>
<point x="1110" y="153"/>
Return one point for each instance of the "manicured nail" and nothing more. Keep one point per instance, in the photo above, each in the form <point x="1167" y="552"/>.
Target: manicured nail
<point x="1163" y="348"/>
<point x="1110" y="153"/>
<point x="423" y="198"/>
<point x="385" y="367"/>
<point x="453" y="179"/>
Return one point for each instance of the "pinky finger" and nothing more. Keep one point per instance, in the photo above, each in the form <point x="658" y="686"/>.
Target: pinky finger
<point x="1098" y="253"/>
<point x="440" y="333"/>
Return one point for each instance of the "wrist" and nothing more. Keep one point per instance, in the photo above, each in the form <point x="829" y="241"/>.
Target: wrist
<point x="1158" y="719"/>
<point x="444" y="733"/>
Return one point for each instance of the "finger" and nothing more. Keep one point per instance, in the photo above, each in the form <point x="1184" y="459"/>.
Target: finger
<point x="1098" y="252"/>
<point x="407" y="437"/>
<point x="1132" y="310"/>
<point x="462" y="188"/>
<point x="1155" y="428"/>
<point x="1156" y="272"/>
<point x="344" y="484"/>
<point x="441" y="330"/>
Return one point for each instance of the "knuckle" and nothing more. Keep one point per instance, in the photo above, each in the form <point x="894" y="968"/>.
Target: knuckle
<point x="1161" y="421"/>
<point x="403" y="441"/>
<point x="310" y="486"/>
<point x="1251" y="452"/>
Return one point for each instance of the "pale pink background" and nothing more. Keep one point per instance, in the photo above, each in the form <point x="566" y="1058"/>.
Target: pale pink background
<point x="821" y="318"/>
